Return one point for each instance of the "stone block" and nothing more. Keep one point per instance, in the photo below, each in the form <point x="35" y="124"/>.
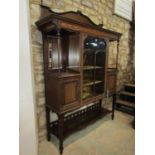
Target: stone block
<point x="89" y="12"/>
<point x="95" y="7"/>
<point x="127" y="26"/>
<point x="39" y="58"/>
<point x="87" y="3"/>
<point x="40" y="109"/>
<point x="77" y="1"/>
<point x="35" y="2"/>
<point x="60" y="3"/>
<point x="36" y="36"/>
<point x="42" y="139"/>
<point x="41" y="101"/>
<point x="103" y="1"/>
<point x="39" y="68"/>
<point x="48" y="3"/>
<point x="70" y="8"/>
<point x="105" y="20"/>
<point x="108" y="12"/>
<point x="78" y="6"/>
<point x="40" y="88"/>
<point x="39" y="78"/>
<point x="110" y="5"/>
<point x="57" y="10"/>
<point x="42" y="132"/>
<point x="95" y="20"/>
<point x="35" y="13"/>
<point x="42" y="119"/>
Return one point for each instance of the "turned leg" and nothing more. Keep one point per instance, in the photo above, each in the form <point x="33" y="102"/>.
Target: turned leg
<point x="60" y="133"/>
<point x="48" y="123"/>
<point x="113" y="106"/>
<point x="100" y="106"/>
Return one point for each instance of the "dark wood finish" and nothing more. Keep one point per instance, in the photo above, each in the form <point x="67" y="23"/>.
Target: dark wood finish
<point x="113" y="106"/>
<point x="72" y="20"/>
<point x="61" y="135"/>
<point x="65" y="70"/>
<point x="48" y="122"/>
<point x="111" y="80"/>
<point x="78" y="119"/>
<point x="62" y="91"/>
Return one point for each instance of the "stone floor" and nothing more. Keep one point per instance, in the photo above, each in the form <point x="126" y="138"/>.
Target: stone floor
<point x="104" y="137"/>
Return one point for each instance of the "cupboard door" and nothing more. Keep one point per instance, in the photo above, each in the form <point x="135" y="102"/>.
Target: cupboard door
<point x="71" y="95"/>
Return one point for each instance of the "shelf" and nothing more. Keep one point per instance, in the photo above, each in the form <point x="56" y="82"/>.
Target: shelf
<point x="73" y="67"/>
<point x="91" y="83"/>
<point x="77" y="120"/>
<point x="85" y="96"/>
<point x="91" y="67"/>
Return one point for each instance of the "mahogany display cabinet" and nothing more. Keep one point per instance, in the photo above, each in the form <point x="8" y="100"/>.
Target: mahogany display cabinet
<point x="75" y="54"/>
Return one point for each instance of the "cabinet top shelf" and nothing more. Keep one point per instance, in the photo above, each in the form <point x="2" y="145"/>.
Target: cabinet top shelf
<point x="91" y="67"/>
<point x="62" y="74"/>
<point x="91" y="83"/>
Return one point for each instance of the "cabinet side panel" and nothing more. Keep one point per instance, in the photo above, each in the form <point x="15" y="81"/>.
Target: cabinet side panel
<point x="51" y="91"/>
<point x="111" y="82"/>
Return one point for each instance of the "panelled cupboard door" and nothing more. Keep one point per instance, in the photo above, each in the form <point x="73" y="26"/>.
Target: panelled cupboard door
<point x="71" y="93"/>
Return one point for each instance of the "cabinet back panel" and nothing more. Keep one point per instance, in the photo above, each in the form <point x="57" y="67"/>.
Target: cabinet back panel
<point x="74" y="53"/>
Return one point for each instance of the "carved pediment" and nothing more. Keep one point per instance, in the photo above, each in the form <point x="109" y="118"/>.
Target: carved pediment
<point x="70" y="15"/>
<point x="50" y="20"/>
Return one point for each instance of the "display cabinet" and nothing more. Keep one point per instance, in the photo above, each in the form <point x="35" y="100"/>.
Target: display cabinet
<point x="75" y="54"/>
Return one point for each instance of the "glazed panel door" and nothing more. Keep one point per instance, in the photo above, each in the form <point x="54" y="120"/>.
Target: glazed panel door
<point x="94" y="59"/>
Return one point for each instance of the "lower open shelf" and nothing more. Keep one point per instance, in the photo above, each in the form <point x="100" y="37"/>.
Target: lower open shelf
<point x="78" y="120"/>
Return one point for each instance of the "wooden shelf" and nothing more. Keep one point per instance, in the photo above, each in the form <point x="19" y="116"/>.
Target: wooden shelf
<point x="91" y="83"/>
<point x="85" y="96"/>
<point x="73" y="67"/>
<point x="91" y="67"/>
<point x="90" y="96"/>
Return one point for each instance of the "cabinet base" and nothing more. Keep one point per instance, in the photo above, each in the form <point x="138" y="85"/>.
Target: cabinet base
<point x="65" y="125"/>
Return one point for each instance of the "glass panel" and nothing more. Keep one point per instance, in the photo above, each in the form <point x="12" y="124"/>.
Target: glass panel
<point x="93" y="64"/>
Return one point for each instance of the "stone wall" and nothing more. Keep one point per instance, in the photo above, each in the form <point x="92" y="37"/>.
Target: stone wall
<point x="100" y="11"/>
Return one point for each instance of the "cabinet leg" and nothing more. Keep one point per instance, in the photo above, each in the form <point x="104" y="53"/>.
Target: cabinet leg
<point x="60" y="133"/>
<point x="100" y="103"/>
<point x="48" y="123"/>
<point x="113" y="106"/>
<point x="100" y="106"/>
